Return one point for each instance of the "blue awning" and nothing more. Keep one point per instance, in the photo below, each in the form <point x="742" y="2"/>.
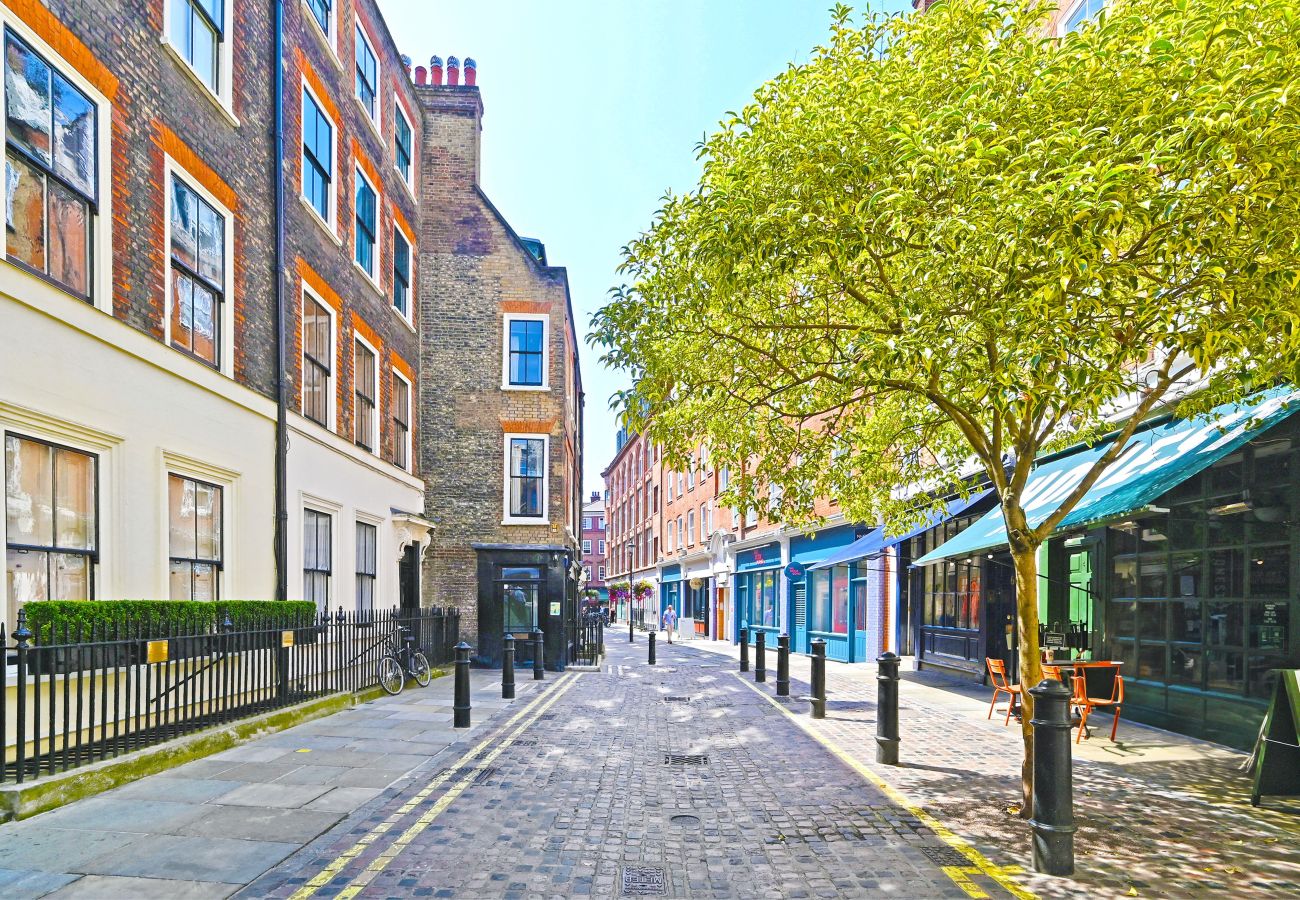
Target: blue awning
<point x="810" y="549"/>
<point x="1157" y="460"/>
<point x="879" y="539"/>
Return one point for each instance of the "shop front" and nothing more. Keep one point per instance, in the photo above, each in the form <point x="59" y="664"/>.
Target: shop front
<point x="826" y="602"/>
<point x="757" y="589"/>
<point x="1180" y="564"/>
<point x="670" y="591"/>
<point x="694" y="621"/>
<point x="520" y="589"/>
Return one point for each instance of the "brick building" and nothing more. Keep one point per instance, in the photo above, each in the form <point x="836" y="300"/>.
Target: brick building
<point x="631" y="485"/>
<point x="594" y="547"/>
<point x="137" y="372"/>
<point x="500" y="438"/>
<point x="352" y="163"/>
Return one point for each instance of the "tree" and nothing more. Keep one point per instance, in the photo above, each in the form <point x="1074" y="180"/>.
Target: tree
<point x="950" y="241"/>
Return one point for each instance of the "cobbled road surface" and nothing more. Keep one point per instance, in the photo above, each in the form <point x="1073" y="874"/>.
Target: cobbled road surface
<point x="674" y="780"/>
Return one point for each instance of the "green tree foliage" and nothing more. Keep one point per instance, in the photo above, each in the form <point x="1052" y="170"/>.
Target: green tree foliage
<point x="952" y="241"/>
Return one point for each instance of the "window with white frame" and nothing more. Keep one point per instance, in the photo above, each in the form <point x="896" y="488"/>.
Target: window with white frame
<point x="681" y="484"/>
<point x="671" y="537"/>
<point x="402" y="142"/>
<point x="197" y="31"/>
<point x="703" y="523"/>
<point x="323" y="12"/>
<point x="586" y="523"/>
<point x="600" y="573"/>
<point x="317" y="557"/>
<point x="194" y="514"/>
<point x="51" y="522"/>
<point x="367" y="70"/>
<point x="586" y="546"/>
<point x="401" y="273"/>
<point x="198" y="273"/>
<point x="367" y="224"/>
<point x="668" y="488"/>
<point x="526" y="478"/>
<point x="600" y="547"/>
<point x="690" y="473"/>
<point x="690" y="527"/>
<point x="525" y="353"/>
<point x="51" y="169"/>
<point x="1083" y="11"/>
<point x="317" y="158"/>
<point x="724" y="478"/>
<point x="317" y="360"/>
<point x="401" y="422"/>
<point x="367" y="564"/>
<point x="365" y="387"/>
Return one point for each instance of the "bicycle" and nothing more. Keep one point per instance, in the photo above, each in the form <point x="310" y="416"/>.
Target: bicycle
<point x="402" y="661"/>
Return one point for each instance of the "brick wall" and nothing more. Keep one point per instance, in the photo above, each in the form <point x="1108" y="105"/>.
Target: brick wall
<point x="324" y="260"/>
<point x="158" y="107"/>
<point x="473" y="270"/>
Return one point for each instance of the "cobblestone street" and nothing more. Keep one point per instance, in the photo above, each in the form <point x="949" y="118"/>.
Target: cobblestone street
<point x="676" y="780"/>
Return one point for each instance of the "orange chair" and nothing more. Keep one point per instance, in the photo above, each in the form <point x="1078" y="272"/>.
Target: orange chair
<point x="998" y="675"/>
<point x="1086" y="704"/>
<point x="1053" y="672"/>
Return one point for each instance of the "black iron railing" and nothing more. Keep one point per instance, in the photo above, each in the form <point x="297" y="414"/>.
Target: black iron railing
<point x="92" y="693"/>
<point x="587" y="639"/>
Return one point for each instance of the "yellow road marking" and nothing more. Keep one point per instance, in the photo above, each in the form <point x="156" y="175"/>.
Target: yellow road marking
<point x="979" y="862"/>
<point x="532" y="711"/>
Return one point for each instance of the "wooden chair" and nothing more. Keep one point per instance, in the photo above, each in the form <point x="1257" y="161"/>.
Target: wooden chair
<point x="1053" y="672"/>
<point x="998" y="675"/>
<point x="1094" y="681"/>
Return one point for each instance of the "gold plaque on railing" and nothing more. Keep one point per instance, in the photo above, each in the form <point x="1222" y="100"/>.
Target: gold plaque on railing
<point x="286" y="638"/>
<point x="157" y="651"/>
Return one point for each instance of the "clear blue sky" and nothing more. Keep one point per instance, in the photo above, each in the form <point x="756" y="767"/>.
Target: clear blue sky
<point x="593" y="109"/>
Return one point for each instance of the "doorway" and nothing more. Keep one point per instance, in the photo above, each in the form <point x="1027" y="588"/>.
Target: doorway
<point x="408" y="578"/>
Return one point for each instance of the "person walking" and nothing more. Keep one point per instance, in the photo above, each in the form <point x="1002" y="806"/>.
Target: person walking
<point x="669" y="620"/>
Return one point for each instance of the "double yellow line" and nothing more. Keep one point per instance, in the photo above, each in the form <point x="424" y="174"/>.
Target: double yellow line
<point x="960" y="875"/>
<point x="521" y="721"/>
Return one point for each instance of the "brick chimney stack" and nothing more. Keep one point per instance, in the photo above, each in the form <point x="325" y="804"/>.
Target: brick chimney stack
<point x="452" y="125"/>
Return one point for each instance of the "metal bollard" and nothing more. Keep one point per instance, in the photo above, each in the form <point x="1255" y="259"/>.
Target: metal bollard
<point x="538" y="672"/>
<point x="783" y="665"/>
<point x="1053" y="821"/>
<point x="818" y="698"/>
<point x="652" y="648"/>
<point x="631" y="639"/>
<point x="744" y="649"/>
<point x="508" y="669"/>
<point x="887" y="709"/>
<point x="460" y="703"/>
<point x="760" y="656"/>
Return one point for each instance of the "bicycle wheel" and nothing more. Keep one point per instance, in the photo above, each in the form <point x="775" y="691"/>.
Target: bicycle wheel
<point x="390" y="675"/>
<point x="420" y="669"/>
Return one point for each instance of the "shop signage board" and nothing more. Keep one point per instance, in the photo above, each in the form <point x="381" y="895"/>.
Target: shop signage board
<point x="1277" y="766"/>
<point x="795" y="571"/>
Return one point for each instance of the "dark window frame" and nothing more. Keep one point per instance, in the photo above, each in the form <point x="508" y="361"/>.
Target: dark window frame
<point x="367" y="82"/>
<point x="314" y="515"/>
<point x="523" y="480"/>
<point x="199" y="10"/>
<point x="218" y="563"/>
<point x="324" y="170"/>
<point x="401" y="421"/>
<point x="364" y="405"/>
<point x="367" y="232"/>
<point x="403" y="135"/>
<point x="367" y="566"/>
<point x="219" y="291"/>
<point x="311" y="365"/>
<point x="48" y="171"/>
<point x="319" y="8"/>
<point x="401" y="272"/>
<point x="517" y="359"/>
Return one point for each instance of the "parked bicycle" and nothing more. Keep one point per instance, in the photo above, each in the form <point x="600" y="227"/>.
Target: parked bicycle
<point x="402" y="661"/>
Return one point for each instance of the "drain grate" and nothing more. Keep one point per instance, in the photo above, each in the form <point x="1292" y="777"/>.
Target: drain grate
<point x="485" y="775"/>
<point x="644" y="881"/>
<point x="685" y="759"/>
<point x="677" y="699"/>
<point x="525" y="742"/>
<point x="946" y="857"/>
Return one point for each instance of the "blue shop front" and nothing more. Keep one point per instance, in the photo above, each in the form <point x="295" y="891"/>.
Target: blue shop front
<point x="829" y="600"/>
<point x="758" y="592"/>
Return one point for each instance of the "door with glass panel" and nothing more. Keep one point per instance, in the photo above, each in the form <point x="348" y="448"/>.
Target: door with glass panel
<point x="521" y="596"/>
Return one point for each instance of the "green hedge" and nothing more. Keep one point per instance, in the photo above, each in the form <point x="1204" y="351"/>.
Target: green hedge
<point x="51" y="620"/>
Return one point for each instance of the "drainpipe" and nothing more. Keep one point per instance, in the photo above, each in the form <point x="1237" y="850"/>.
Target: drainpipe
<point x="281" y="326"/>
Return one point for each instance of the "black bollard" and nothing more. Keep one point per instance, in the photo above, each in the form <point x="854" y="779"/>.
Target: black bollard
<point x="460" y="703"/>
<point x="783" y="665"/>
<point x="538" y="672"/>
<point x="631" y="639"/>
<point x="652" y="648"/>
<point x="887" y="709"/>
<point x="1053" y="821"/>
<point x="508" y="669"/>
<point x="818" y="698"/>
<point x="744" y="649"/>
<point x="760" y="656"/>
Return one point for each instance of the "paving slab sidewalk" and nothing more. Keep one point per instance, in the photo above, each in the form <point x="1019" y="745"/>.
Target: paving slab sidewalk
<point x="1159" y="814"/>
<point x="204" y="829"/>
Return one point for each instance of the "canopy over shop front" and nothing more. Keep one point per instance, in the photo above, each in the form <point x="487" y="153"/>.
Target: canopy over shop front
<point x="1157" y="459"/>
<point x="878" y="540"/>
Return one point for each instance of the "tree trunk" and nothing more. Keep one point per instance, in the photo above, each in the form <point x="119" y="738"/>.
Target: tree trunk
<point x="1025" y="558"/>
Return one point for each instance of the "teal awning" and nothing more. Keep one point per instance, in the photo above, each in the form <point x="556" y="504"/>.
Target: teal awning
<point x="1159" y="458"/>
<point x="879" y="540"/>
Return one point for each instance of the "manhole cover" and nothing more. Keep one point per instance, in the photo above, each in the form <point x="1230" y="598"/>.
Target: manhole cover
<point x="642" y="881"/>
<point x="685" y="821"/>
<point x="685" y="759"/>
<point x="677" y="699"/>
<point x="945" y="856"/>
